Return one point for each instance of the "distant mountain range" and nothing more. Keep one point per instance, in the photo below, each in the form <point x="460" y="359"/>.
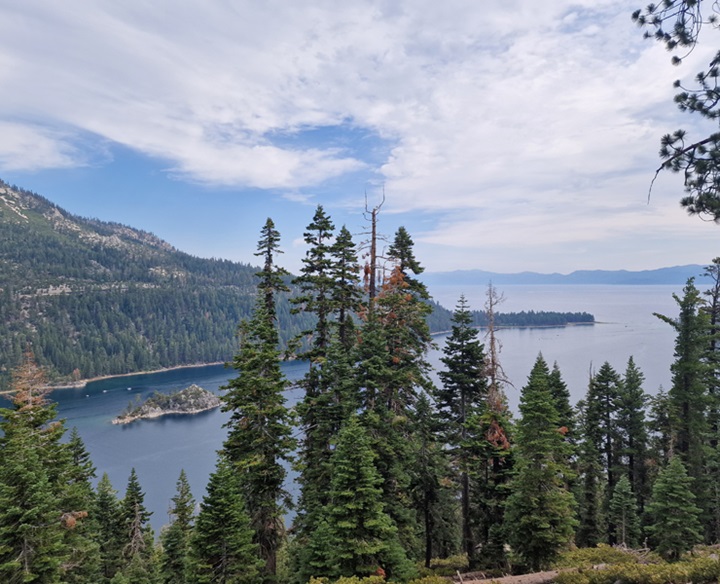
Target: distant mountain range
<point x="673" y="275"/>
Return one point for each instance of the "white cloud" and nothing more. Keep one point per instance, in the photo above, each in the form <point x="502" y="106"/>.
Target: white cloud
<point x="28" y="147"/>
<point x="502" y="119"/>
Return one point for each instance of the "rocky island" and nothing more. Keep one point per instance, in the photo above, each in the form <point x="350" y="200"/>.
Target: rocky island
<point x="191" y="400"/>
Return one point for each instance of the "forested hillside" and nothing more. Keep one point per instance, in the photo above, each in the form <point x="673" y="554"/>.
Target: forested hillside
<point x="94" y="298"/>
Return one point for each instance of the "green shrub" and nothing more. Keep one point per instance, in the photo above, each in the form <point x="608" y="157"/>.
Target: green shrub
<point x="702" y="570"/>
<point x="449" y="566"/>
<point x="435" y="579"/>
<point x="589" y="557"/>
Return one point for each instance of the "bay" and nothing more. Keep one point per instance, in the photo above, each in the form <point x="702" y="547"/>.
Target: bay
<point x="158" y="449"/>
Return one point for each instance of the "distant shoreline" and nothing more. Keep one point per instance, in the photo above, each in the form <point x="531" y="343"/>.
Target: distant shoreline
<point x="83" y="382"/>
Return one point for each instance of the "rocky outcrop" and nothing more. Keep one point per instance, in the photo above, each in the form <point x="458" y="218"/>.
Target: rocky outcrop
<point x="191" y="400"/>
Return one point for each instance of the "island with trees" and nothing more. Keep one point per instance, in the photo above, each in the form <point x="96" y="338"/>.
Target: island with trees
<point x="191" y="400"/>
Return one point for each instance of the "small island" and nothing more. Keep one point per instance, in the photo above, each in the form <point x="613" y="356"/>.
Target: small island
<point x="191" y="400"/>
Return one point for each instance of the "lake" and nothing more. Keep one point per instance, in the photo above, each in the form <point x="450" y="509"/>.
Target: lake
<point x="160" y="448"/>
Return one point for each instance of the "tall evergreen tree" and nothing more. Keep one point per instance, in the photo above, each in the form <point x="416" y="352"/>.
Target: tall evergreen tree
<point x="688" y="394"/>
<point x="540" y="516"/>
<point x="433" y="496"/>
<point x="359" y="536"/>
<point x="78" y="500"/>
<point x="712" y="358"/>
<point x="176" y="537"/>
<point x="461" y="397"/>
<point x="222" y="547"/>
<point x="138" y="550"/>
<point x="271" y="277"/>
<point x="602" y="404"/>
<point x="111" y="534"/>
<point x="633" y="431"/>
<point x="561" y="396"/>
<point x="259" y="432"/>
<point x="623" y="513"/>
<point x="674" y="527"/>
<point x="347" y="294"/>
<point x="32" y="546"/>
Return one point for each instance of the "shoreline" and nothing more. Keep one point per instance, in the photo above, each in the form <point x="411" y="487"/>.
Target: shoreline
<point x="83" y="382"/>
<point x="159" y="414"/>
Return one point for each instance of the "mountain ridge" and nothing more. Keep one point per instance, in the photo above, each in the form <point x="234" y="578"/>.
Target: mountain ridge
<point x="658" y="276"/>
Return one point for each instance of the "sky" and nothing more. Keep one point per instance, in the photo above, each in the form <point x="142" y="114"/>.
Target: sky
<point x="505" y="136"/>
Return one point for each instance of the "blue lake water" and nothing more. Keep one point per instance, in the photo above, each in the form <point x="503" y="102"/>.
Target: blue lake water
<point x="160" y="448"/>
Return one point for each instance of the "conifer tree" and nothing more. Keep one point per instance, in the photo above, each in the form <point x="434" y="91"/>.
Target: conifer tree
<point x="32" y="546"/>
<point x="492" y="448"/>
<point x="461" y="397"/>
<point x="633" y="430"/>
<point x="138" y="549"/>
<point x="623" y="513"/>
<point x="347" y="294"/>
<point x="175" y="538"/>
<point x="674" y="527"/>
<point x="259" y="432"/>
<point x="316" y="282"/>
<point x="271" y="276"/>
<point x="688" y="394"/>
<point x="320" y="411"/>
<point x="433" y="496"/>
<point x="360" y="536"/>
<point x="589" y="488"/>
<point x="78" y="500"/>
<point x="111" y="535"/>
<point x="561" y="396"/>
<point x="222" y="547"/>
<point x="602" y="404"/>
<point x="539" y="516"/>
<point x="712" y="310"/>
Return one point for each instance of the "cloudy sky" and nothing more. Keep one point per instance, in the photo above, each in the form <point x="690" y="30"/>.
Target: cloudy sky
<point x="506" y="137"/>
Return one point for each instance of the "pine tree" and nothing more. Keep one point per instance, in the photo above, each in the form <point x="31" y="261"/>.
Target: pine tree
<point x="401" y="251"/>
<point x="32" y="546"/>
<point x="675" y="527"/>
<point x="461" y="397"/>
<point x="561" y="397"/>
<point x="623" y="513"/>
<point x="259" y="432"/>
<point x="539" y="515"/>
<point x="111" y="534"/>
<point x="433" y="496"/>
<point x="222" y="547"/>
<point x="360" y="536"/>
<point x="271" y="276"/>
<point x="589" y="488"/>
<point x="688" y="395"/>
<point x="491" y="448"/>
<point x="326" y="398"/>
<point x="712" y="358"/>
<point x="346" y="294"/>
<point x="316" y="282"/>
<point x="602" y="404"/>
<point x="633" y="430"/>
<point x="175" y="538"/>
<point x="78" y="500"/>
<point x="138" y="549"/>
